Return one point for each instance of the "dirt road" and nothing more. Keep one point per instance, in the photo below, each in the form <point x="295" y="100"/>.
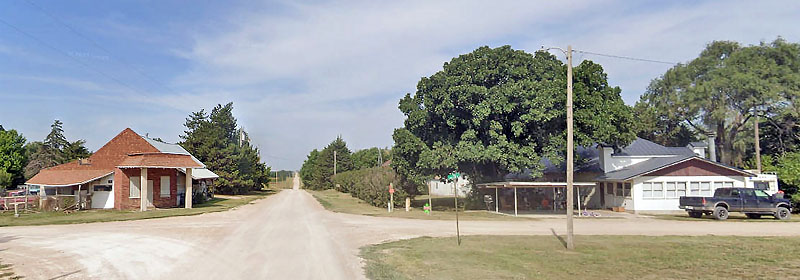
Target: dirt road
<point x="285" y="236"/>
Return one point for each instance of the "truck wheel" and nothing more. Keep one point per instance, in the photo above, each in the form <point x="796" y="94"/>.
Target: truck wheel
<point x="695" y="214"/>
<point x="782" y="213"/>
<point x="753" y="216"/>
<point x="720" y="213"/>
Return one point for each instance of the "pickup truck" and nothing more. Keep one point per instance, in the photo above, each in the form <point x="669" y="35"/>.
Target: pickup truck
<point x="753" y="202"/>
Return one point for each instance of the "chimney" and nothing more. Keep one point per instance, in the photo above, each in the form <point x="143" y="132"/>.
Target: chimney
<point x="604" y="154"/>
<point x="712" y="147"/>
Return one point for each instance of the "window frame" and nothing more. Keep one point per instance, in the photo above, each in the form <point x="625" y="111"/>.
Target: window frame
<point x="161" y="191"/>
<point x="667" y="189"/>
<point x="134" y="183"/>
<point x="659" y="189"/>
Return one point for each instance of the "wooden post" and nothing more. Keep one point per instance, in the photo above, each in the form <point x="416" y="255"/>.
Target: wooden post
<point x="187" y="201"/>
<point x="515" y="201"/>
<point x="579" y="201"/>
<point x="570" y="147"/>
<point x="391" y="196"/>
<point x="758" y="145"/>
<point x="455" y="197"/>
<point x="143" y="189"/>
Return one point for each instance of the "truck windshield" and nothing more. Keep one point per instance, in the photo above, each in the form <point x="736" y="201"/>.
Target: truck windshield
<point x="760" y="193"/>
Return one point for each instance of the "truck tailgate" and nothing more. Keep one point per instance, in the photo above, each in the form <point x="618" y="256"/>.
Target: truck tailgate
<point x="691" y="201"/>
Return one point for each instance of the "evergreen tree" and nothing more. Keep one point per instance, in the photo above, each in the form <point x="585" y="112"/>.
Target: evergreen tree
<point x="216" y="141"/>
<point x="54" y="150"/>
<point x="324" y="164"/>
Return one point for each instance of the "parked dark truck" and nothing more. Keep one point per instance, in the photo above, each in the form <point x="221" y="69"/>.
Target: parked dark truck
<point x="754" y="203"/>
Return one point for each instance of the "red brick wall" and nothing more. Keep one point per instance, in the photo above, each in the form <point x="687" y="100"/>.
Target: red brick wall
<point x="695" y="167"/>
<point x="122" y="188"/>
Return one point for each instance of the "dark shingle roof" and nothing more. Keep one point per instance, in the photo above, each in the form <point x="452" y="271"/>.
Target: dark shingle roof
<point x="642" y="147"/>
<point x="699" y="144"/>
<point x="641" y="168"/>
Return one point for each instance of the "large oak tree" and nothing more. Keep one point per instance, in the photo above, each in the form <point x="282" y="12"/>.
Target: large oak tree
<point x="496" y="111"/>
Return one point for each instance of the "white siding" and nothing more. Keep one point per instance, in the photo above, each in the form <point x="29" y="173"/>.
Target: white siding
<point x="665" y="203"/>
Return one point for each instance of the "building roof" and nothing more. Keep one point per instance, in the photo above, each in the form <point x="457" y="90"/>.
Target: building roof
<point x="201" y="173"/>
<point x="698" y="144"/>
<point x="159" y="160"/>
<point x="642" y="147"/>
<point x="56" y="178"/>
<point x="127" y="149"/>
<point x="655" y="164"/>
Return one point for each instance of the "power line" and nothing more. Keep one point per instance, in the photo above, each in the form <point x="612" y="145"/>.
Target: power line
<point x="627" y="57"/>
<point x="69" y="56"/>
<point x="97" y="45"/>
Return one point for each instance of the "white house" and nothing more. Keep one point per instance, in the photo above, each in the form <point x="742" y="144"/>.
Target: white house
<point x="641" y="177"/>
<point x="645" y="176"/>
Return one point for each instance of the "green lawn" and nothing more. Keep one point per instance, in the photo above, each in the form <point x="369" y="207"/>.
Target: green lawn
<point x="734" y="217"/>
<point x="596" y="257"/>
<point x="443" y="208"/>
<point x="92" y="216"/>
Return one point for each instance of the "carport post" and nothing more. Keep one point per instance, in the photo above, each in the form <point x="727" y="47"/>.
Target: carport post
<point x="188" y="197"/>
<point x="143" y="189"/>
<point x="515" y="201"/>
<point x="578" y="189"/>
<point x="496" y="201"/>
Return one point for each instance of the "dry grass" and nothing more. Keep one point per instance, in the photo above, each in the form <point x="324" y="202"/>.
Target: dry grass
<point x="92" y="216"/>
<point x="596" y="257"/>
<point x="443" y="208"/>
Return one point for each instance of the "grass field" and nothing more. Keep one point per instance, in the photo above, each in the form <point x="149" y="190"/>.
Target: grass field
<point x="734" y="217"/>
<point x="443" y="208"/>
<point x="92" y="216"/>
<point x="283" y="184"/>
<point x="595" y="257"/>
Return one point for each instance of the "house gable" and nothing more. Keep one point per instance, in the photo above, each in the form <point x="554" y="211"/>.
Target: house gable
<point x="117" y="150"/>
<point x="696" y="167"/>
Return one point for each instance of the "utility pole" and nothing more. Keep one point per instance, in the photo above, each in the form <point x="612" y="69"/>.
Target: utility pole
<point x="380" y="156"/>
<point x="758" y="145"/>
<point x="570" y="147"/>
<point x="334" y="162"/>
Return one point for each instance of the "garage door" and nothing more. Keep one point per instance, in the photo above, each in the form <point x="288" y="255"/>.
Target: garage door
<point x="103" y="197"/>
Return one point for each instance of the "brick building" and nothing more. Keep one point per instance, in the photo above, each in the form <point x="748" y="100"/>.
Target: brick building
<point x="122" y="172"/>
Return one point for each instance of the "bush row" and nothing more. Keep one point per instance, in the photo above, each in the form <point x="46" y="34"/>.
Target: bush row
<point x="371" y="185"/>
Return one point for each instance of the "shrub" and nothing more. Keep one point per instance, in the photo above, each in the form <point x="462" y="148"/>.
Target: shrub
<point x="371" y="185"/>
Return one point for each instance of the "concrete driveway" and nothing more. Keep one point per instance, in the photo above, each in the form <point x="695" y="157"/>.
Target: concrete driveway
<point x="285" y="236"/>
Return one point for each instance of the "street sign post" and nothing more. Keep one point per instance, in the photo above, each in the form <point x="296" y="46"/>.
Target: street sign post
<point x="454" y="177"/>
<point x="391" y="197"/>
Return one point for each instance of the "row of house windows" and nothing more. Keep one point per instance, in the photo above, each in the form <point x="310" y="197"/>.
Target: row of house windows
<point x="618" y="189"/>
<point x="656" y="190"/>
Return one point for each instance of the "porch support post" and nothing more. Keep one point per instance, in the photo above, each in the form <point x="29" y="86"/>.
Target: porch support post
<point x="554" y="199"/>
<point x="143" y="189"/>
<point x="515" y="201"/>
<point x="189" y="192"/>
<point x="496" y="201"/>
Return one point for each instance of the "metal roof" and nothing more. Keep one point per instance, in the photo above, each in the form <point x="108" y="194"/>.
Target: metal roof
<point x="654" y="164"/>
<point x="201" y="173"/>
<point x="699" y="144"/>
<point x="642" y="147"/>
<point x="170" y="148"/>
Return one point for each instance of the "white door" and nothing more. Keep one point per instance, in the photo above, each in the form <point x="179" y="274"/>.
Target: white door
<point x="149" y="193"/>
<point x="102" y="197"/>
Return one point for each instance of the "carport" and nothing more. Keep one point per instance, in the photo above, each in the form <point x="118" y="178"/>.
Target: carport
<point x="542" y="187"/>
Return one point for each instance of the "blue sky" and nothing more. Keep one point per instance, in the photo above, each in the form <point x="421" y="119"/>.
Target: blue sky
<point x="301" y="72"/>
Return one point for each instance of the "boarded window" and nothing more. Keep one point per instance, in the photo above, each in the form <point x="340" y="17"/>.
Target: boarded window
<point x="136" y="185"/>
<point x="165" y="186"/>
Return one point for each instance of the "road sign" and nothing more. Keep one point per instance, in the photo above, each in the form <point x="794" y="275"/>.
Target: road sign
<point x="391" y="190"/>
<point x="453" y="176"/>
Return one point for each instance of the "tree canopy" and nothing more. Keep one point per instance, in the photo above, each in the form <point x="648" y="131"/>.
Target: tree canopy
<point x="225" y="149"/>
<point x="54" y="150"/>
<point x="317" y="170"/>
<point x="368" y="158"/>
<point x="12" y="158"/>
<point x="499" y="110"/>
<point x="725" y="87"/>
